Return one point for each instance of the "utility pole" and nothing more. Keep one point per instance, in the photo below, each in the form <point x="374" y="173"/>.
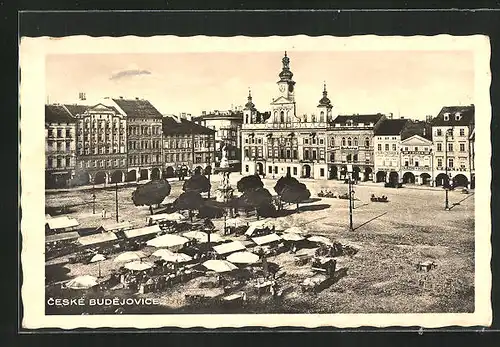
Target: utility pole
<point x="447" y="182"/>
<point x="93" y="196"/>
<point x="116" y="200"/>
<point x="349" y="181"/>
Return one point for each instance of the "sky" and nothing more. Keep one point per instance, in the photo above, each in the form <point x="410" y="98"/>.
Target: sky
<point x="408" y="84"/>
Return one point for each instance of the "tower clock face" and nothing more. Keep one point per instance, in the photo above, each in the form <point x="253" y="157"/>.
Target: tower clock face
<point x="282" y="88"/>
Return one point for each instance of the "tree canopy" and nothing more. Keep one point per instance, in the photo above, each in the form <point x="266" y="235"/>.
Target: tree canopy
<point x="151" y="193"/>
<point x="190" y="200"/>
<point x="210" y="211"/>
<point x="250" y="182"/>
<point x="295" y="194"/>
<point x="284" y="182"/>
<point x="197" y="183"/>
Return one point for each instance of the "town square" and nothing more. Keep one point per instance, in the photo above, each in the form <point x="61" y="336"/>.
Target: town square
<point x="260" y="208"/>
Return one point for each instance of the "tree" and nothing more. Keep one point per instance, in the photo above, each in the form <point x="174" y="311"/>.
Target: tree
<point x="189" y="201"/>
<point x="197" y="183"/>
<point x="285" y="181"/>
<point x="255" y="198"/>
<point x="295" y="194"/>
<point x="151" y="193"/>
<point x="210" y="211"/>
<point x="250" y="182"/>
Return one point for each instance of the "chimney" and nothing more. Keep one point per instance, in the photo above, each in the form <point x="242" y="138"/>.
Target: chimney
<point x="390" y="115"/>
<point x="82" y="96"/>
<point x="203" y="113"/>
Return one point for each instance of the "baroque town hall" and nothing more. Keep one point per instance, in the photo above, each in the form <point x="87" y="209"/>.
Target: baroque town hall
<point x="321" y="145"/>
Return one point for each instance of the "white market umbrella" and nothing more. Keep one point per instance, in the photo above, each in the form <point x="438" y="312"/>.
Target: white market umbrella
<point x="177" y="258"/>
<point x="162" y="252"/>
<point x="295" y="230"/>
<point x="320" y="239"/>
<point x="202" y="237"/>
<point x="175" y="217"/>
<point x="219" y="265"/>
<point x="97" y="257"/>
<point x="82" y="282"/>
<point x="243" y="258"/>
<point x="236" y="222"/>
<point x="138" y="266"/>
<point x="129" y="256"/>
<point x="291" y="237"/>
<point x="167" y="240"/>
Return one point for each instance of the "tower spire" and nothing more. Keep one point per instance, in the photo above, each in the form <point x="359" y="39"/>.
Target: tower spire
<point x="250" y="105"/>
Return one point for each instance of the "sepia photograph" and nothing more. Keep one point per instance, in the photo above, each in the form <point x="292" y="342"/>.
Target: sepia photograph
<point x="323" y="178"/>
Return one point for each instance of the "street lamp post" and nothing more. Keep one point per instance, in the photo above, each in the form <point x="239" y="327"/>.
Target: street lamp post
<point x="349" y="181"/>
<point x="116" y="200"/>
<point x="93" y="196"/>
<point x="446" y="183"/>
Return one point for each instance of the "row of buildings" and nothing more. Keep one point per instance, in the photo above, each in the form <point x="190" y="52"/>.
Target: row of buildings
<point x="437" y="151"/>
<point x="121" y="140"/>
<point x="129" y="139"/>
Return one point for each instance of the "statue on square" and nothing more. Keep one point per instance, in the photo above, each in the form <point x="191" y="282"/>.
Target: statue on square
<point x="224" y="192"/>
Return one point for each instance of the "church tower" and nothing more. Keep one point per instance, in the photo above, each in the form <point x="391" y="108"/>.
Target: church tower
<point x="283" y="108"/>
<point x="249" y="112"/>
<point x="325" y="108"/>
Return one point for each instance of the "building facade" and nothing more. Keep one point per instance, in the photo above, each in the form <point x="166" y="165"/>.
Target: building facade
<point x="187" y="145"/>
<point x="60" y="146"/>
<point x="144" y="138"/>
<point x="227" y="127"/>
<point x="351" y="142"/>
<point x="451" y="131"/>
<point x="387" y="150"/>
<point x="101" y="144"/>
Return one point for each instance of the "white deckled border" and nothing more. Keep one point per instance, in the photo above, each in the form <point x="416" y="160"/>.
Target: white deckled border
<point x="32" y="61"/>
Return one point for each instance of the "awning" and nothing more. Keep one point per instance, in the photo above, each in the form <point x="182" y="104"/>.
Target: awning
<point x="262" y="240"/>
<point x="320" y="239"/>
<point x="64" y="222"/>
<point x="219" y="265"/>
<point x="168" y="240"/>
<point x="175" y="217"/>
<point x="96" y="238"/>
<point x="153" y="229"/>
<point x="72" y="235"/>
<point x="229" y="247"/>
<point x="116" y="226"/>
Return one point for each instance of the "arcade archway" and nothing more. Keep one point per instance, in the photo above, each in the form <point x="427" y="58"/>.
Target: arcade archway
<point x="117" y="177"/>
<point x="394" y="177"/>
<point x="100" y="177"/>
<point x="442" y="180"/>
<point x="131" y="176"/>
<point x="355" y="173"/>
<point x="367" y="174"/>
<point x="381" y="176"/>
<point x="332" y="174"/>
<point x="425" y="178"/>
<point x="143" y="174"/>
<point x="460" y="181"/>
<point x="169" y="172"/>
<point x="155" y="174"/>
<point x="306" y="171"/>
<point x="409" y="177"/>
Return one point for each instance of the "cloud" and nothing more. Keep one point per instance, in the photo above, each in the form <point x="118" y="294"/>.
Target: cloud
<point x="129" y="73"/>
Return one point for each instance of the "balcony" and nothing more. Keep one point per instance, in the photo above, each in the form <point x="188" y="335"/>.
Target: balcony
<point x="416" y="168"/>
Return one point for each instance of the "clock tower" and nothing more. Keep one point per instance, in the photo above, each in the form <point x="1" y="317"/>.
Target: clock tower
<point x="283" y="106"/>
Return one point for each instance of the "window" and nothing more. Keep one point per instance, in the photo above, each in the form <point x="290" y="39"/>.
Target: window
<point x="462" y="132"/>
<point x="294" y="170"/>
<point x="270" y="169"/>
<point x="49" y="162"/>
<point x="246" y="140"/>
<point x="355" y="158"/>
<point x="314" y="141"/>
<point x="349" y="158"/>
<point x="355" y="141"/>
<point x="288" y="154"/>
<point x="282" y="117"/>
<point x="450" y="162"/>
<point x="450" y="147"/>
<point x="446" y="117"/>
<point x="349" y="141"/>
<point x="246" y="152"/>
<point x="379" y="147"/>
<point x="68" y="133"/>
<point x="322" y="116"/>
<point x="294" y="154"/>
<point x="322" y="154"/>
<point x="306" y="154"/>
<point x="407" y="163"/>
<point x="314" y="155"/>
<point x="394" y="147"/>
<point x="306" y="141"/>
<point x="343" y="141"/>
<point x="275" y="169"/>
<point x="462" y="147"/>
<point x="367" y="142"/>
<point x="259" y="141"/>
<point x="322" y="172"/>
<point x="332" y="157"/>
<point x="68" y="161"/>
<point x="332" y="141"/>
<point x="416" y="163"/>
<point x="439" y="147"/>
<point x="439" y="132"/>
<point x="246" y="168"/>
<point x="440" y="162"/>
<point x="386" y="146"/>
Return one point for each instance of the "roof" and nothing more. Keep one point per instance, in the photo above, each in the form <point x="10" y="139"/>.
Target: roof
<point x="153" y="229"/>
<point x="167" y="240"/>
<point x="72" y="235"/>
<point x="173" y="126"/>
<point x="76" y="109"/>
<point x="262" y="240"/>
<point x="391" y="127"/>
<point x="358" y="118"/>
<point x="229" y="247"/>
<point x="116" y="226"/>
<point x="466" y="116"/>
<point x="419" y="128"/>
<point x="138" y="108"/>
<point x="96" y="238"/>
<point x="58" y="114"/>
<point x="62" y="222"/>
<point x="238" y="115"/>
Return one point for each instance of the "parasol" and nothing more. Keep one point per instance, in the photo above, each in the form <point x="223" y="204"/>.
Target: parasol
<point x="167" y="240"/>
<point x="97" y="257"/>
<point x="219" y="265"/>
<point x="138" y="266"/>
<point x="202" y="237"/>
<point x="320" y="239"/>
<point x="161" y="253"/>
<point x="82" y="282"/>
<point x="243" y="258"/>
<point x="295" y="230"/>
<point x="177" y="258"/>
<point x="292" y="237"/>
<point x="129" y="256"/>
